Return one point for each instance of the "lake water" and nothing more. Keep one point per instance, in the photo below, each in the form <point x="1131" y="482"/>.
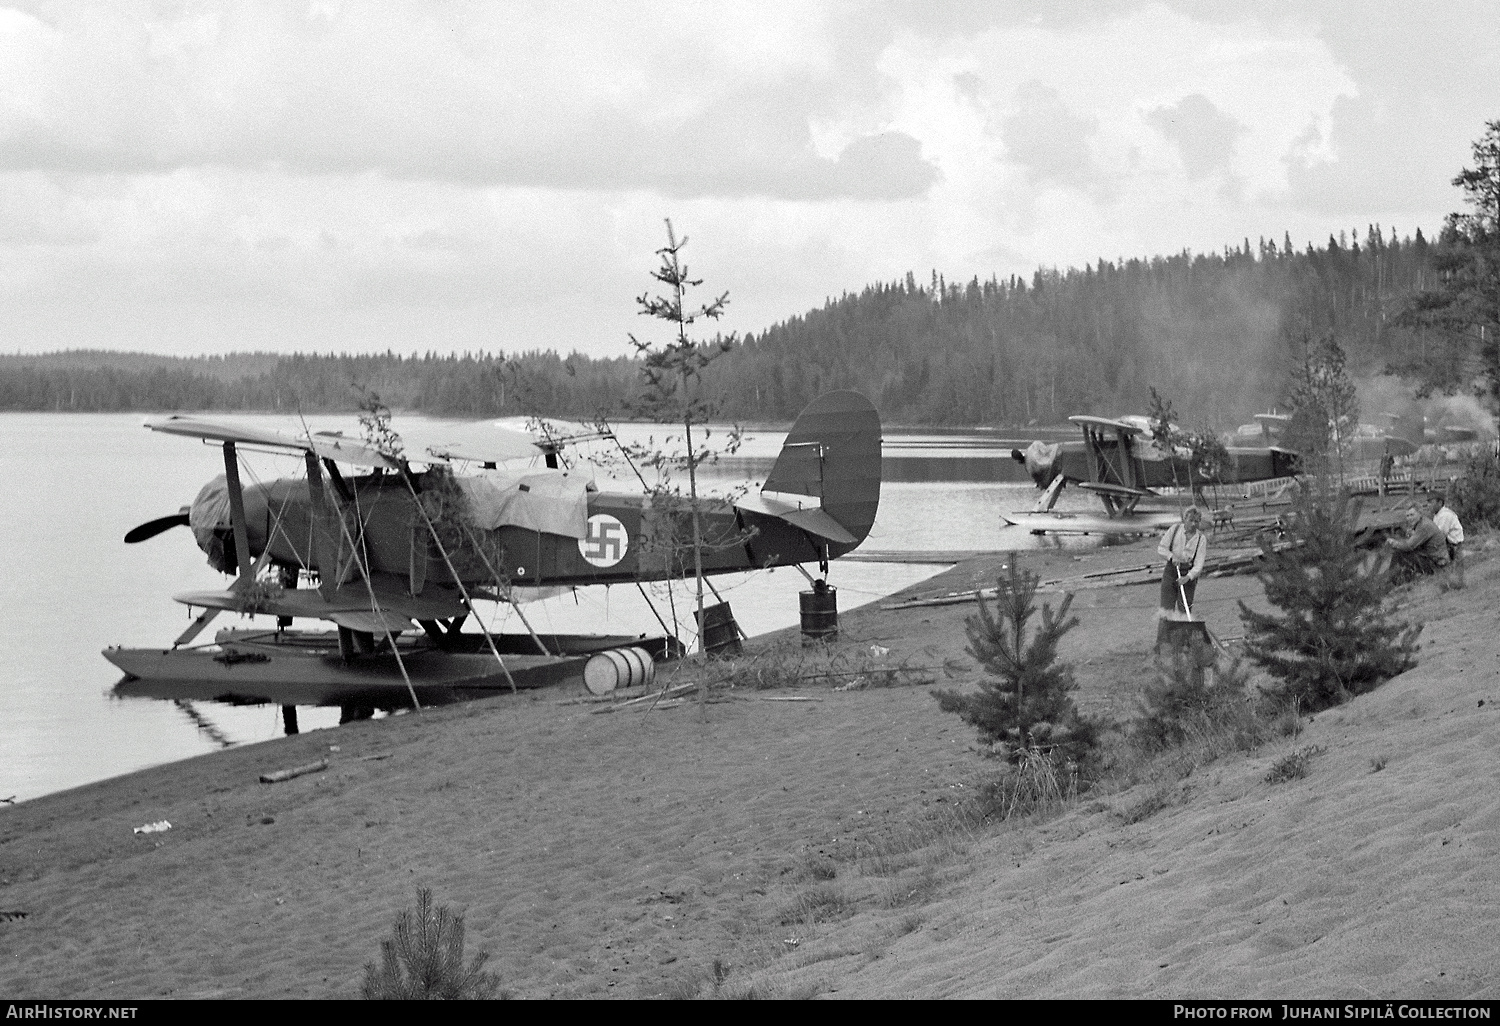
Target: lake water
<point x="74" y="484"/>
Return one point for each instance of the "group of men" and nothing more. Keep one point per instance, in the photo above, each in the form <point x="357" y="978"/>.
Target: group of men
<point x="1433" y="542"/>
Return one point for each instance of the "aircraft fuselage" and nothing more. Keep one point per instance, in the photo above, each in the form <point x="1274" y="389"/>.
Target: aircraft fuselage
<point x="628" y="538"/>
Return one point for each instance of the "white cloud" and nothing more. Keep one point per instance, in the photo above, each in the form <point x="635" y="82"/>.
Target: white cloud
<point x="223" y="175"/>
<point x="485" y="95"/>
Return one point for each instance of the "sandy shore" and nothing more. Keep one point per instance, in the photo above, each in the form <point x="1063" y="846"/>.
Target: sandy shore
<point x="803" y="847"/>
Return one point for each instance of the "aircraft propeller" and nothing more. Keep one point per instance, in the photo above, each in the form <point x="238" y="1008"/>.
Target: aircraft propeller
<point x="152" y="528"/>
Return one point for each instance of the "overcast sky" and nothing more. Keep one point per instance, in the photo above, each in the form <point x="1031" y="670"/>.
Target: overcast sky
<point x="207" y="177"/>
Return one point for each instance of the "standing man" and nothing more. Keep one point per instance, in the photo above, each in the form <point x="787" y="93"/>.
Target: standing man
<point x="1387" y="463"/>
<point x="1186" y="547"/>
<point x="1445" y="520"/>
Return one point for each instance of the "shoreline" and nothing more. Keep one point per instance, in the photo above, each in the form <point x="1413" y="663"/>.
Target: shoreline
<point x="809" y="847"/>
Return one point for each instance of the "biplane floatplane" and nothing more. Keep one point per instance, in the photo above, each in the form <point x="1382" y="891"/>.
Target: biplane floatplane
<point x="1120" y="462"/>
<point x="394" y="554"/>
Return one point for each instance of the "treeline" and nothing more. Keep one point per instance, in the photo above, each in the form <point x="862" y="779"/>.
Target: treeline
<point x="1218" y="333"/>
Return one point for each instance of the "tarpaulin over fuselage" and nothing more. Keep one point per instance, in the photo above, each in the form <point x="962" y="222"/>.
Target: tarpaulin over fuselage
<point x="380" y="511"/>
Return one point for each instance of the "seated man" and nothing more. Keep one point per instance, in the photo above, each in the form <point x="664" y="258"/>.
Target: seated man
<point x="1423" y="551"/>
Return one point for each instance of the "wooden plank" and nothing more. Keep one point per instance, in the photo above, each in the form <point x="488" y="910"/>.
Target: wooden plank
<point x="296" y="771"/>
<point x="936" y="557"/>
<point x="1091" y="523"/>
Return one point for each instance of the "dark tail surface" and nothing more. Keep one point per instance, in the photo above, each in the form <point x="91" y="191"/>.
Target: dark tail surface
<point x="833" y="452"/>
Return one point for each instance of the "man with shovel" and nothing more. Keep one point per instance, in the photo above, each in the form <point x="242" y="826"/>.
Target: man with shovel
<point x="1186" y="548"/>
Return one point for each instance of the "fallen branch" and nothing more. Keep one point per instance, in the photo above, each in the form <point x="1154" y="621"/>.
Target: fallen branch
<point x="788" y="698"/>
<point x="671" y="703"/>
<point x="644" y="698"/>
<point x="296" y="771"/>
<point x="613" y="696"/>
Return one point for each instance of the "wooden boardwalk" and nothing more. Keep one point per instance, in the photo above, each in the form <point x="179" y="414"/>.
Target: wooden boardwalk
<point x="934" y="557"/>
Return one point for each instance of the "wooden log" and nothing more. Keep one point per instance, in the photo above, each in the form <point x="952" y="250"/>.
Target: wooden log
<point x="296" y="771"/>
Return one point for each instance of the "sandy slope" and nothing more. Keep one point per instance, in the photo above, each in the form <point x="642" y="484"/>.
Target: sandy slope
<point x="806" y="847"/>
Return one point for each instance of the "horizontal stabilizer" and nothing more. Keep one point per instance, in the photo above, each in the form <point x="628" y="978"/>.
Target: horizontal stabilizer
<point x="810" y="519"/>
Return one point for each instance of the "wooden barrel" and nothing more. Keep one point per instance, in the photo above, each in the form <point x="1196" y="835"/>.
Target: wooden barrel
<point x="618" y="668"/>
<point x="820" y="614"/>
<point x="720" y="634"/>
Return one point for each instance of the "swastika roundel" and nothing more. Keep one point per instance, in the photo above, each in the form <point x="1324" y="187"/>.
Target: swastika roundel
<point x="606" y="542"/>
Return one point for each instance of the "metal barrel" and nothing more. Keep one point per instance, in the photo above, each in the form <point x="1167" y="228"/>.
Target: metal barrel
<point x="820" y="614"/>
<point x="618" y="668"/>
<point x="721" y="635"/>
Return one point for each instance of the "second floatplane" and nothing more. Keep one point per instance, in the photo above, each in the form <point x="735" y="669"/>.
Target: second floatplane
<point x="1120" y="462"/>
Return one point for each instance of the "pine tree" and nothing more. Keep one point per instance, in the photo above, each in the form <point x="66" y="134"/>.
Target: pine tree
<point x="1025" y="705"/>
<point x="673" y="392"/>
<point x="424" y="959"/>
<point x="1335" y="636"/>
<point x="1464" y="307"/>
<point x="1324" y="404"/>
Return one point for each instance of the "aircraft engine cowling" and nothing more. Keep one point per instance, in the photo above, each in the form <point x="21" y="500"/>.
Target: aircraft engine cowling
<point x="1040" y="460"/>
<point x="209" y="520"/>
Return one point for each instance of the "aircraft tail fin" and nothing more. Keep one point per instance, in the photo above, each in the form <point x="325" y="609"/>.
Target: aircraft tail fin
<point x="833" y="453"/>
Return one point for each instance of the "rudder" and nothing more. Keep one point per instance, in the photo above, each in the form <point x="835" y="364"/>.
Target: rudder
<point x="833" y="452"/>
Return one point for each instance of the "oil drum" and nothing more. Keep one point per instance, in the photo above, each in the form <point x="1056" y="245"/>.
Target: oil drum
<point x="618" y="668"/>
<point x="721" y="635"/>
<point x="820" y="614"/>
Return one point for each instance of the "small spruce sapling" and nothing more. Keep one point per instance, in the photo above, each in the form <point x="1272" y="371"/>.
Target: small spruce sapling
<point x="1025" y="705"/>
<point x="1335" y="636"/>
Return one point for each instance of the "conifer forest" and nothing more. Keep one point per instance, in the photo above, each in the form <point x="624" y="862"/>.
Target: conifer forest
<point x="1219" y="332"/>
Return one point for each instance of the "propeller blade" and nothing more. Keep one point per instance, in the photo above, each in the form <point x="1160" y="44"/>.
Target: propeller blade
<point x="152" y="528"/>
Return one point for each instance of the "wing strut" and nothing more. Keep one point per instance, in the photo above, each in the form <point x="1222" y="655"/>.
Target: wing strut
<point x="237" y="518"/>
<point x="364" y="573"/>
<point x="468" y="602"/>
<point x="247" y="569"/>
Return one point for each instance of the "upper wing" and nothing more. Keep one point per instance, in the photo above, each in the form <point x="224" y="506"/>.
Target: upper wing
<point x="1107" y="424"/>
<point x="480" y="443"/>
<point x="331" y="445"/>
